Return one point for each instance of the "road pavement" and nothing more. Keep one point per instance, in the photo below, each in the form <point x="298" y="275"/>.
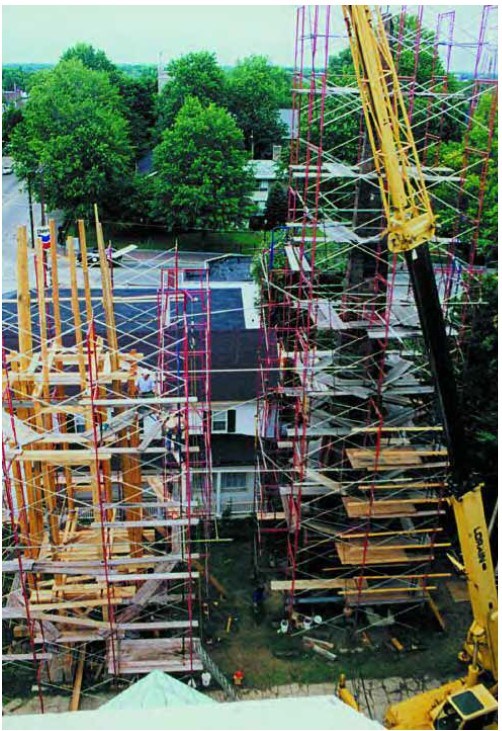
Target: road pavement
<point x="15" y="212"/>
<point x="139" y="269"/>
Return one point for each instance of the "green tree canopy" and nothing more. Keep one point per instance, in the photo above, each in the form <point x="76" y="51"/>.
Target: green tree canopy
<point x="256" y="90"/>
<point x="193" y="75"/>
<point x="276" y="209"/>
<point x="73" y="133"/>
<point x="138" y="93"/>
<point x="92" y="58"/>
<point x="11" y="117"/>
<point x="202" y="179"/>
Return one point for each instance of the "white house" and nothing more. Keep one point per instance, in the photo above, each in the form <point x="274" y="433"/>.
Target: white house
<point x="265" y="173"/>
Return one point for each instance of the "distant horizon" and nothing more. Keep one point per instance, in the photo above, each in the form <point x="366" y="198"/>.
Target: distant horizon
<point x="137" y="35"/>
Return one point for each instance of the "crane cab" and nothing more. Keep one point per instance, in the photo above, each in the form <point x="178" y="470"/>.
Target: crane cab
<point x="473" y="708"/>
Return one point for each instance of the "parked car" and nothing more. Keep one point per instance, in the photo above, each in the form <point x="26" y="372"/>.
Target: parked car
<point x="7" y="169"/>
<point x="93" y="256"/>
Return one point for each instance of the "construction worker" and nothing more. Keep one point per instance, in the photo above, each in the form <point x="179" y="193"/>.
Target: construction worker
<point x="171" y="425"/>
<point x="145" y="385"/>
<point x="238" y="678"/>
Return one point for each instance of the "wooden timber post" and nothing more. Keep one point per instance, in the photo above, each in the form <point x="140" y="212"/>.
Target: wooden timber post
<point x="111" y="331"/>
<point x="25" y="346"/>
<point x="75" y="306"/>
<point x="44" y="420"/>
<point x="56" y="308"/>
<point x="85" y="270"/>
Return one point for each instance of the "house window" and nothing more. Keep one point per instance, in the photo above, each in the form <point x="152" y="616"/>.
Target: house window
<point x="219" y="422"/>
<point x="223" y="422"/>
<point x="234" y="481"/>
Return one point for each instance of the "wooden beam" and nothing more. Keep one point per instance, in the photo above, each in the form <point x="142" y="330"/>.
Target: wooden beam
<point x="138" y="401"/>
<point x="147" y="524"/>
<point x="85" y="270"/>
<point x="79" y="342"/>
<point x="27" y="656"/>
<point x="56" y="309"/>
<point x="23" y="300"/>
<point x="117" y="578"/>
<point x="77" y="683"/>
<point x="111" y="331"/>
<point x="57" y="456"/>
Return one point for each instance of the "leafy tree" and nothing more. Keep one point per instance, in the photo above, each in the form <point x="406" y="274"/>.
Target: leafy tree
<point x="139" y="96"/>
<point x="193" y="75"/>
<point x="138" y="93"/>
<point x="256" y="91"/>
<point x="11" y="117"/>
<point x="74" y="135"/>
<point x="276" y="209"/>
<point x="202" y="179"/>
<point x="92" y="58"/>
<point x="13" y="76"/>
<point x="479" y="382"/>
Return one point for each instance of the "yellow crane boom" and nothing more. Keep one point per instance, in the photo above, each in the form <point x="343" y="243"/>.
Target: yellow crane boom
<point x="410" y="220"/>
<point x="465" y="703"/>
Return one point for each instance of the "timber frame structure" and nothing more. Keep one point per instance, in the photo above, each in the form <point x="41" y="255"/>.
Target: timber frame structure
<point x="100" y="548"/>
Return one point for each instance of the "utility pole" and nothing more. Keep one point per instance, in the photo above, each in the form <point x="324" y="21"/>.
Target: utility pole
<point x="42" y="198"/>
<point x="30" y="203"/>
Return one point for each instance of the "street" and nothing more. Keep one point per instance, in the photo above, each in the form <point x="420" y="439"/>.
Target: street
<point x="15" y="212"/>
<point x="141" y="268"/>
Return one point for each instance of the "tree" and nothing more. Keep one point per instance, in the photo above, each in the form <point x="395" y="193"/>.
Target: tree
<point x="479" y="383"/>
<point x="74" y="135"/>
<point x="202" y="179"/>
<point x="193" y="75"/>
<point x="15" y="76"/>
<point x="11" y="117"/>
<point x="139" y="95"/>
<point x="92" y="58"/>
<point x="256" y="91"/>
<point x="276" y="209"/>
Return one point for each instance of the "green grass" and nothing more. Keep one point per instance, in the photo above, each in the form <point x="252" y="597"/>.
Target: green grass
<point x="268" y="658"/>
<point x="238" y="242"/>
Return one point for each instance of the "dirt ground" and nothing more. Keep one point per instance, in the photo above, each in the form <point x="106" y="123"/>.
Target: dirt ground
<point x="275" y="664"/>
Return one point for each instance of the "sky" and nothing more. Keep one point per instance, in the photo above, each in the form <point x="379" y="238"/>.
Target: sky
<point x="139" y="33"/>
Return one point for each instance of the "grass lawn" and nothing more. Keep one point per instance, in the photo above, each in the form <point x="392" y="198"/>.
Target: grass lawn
<point x="237" y="242"/>
<point x="268" y="658"/>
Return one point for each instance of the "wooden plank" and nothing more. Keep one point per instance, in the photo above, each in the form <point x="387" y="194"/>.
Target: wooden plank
<point x="410" y="428"/>
<point x="147" y="524"/>
<point x="76" y="604"/>
<point x="318" y="476"/>
<point x="128" y="401"/>
<point x="292" y="258"/>
<point x="151" y="626"/>
<point x="403" y="486"/>
<point x="59" y="457"/>
<point x="23" y="656"/>
<point x="167" y="666"/>
<point x="117" y="578"/>
<point x="310" y="584"/>
<point x="77" y="683"/>
<point x="377" y="508"/>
